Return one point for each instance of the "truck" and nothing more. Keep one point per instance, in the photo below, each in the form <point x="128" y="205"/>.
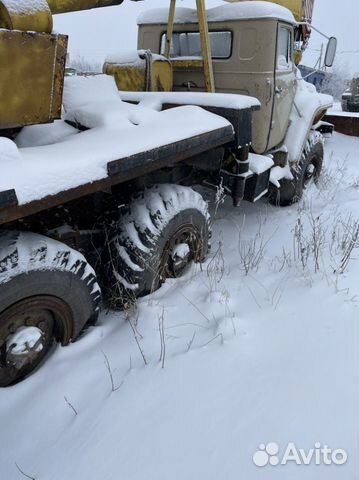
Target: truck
<point x="97" y="203"/>
<point x="350" y="98"/>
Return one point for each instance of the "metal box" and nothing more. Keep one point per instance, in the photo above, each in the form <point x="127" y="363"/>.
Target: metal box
<point x="32" y="69"/>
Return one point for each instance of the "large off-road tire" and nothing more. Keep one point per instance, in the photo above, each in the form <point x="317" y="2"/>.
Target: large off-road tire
<point x="163" y="230"/>
<point x="306" y="171"/>
<point x="47" y="291"/>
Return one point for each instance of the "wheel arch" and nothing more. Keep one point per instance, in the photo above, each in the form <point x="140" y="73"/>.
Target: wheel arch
<point x="308" y="108"/>
<point x="140" y="236"/>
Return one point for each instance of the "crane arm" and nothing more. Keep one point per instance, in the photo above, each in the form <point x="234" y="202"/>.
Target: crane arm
<point x="36" y="15"/>
<point x="301" y="9"/>
<point x="64" y="6"/>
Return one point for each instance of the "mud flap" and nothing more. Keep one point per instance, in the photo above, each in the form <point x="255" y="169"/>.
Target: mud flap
<point x="256" y="186"/>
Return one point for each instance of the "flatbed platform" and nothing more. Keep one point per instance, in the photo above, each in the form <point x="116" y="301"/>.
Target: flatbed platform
<point x="113" y="141"/>
<point x="344" y="122"/>
<point x="118" y="171"/>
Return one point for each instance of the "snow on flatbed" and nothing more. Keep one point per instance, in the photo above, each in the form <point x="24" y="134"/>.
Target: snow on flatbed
<point x="271" y="356"/>
<point x="58" y="157"/>
<point x="202" y="99"/>
<point x="117" y="130"/>
<point x="83" y="158"/>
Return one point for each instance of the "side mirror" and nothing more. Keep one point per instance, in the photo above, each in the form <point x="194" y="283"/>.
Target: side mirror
<point x="330" y="52"/>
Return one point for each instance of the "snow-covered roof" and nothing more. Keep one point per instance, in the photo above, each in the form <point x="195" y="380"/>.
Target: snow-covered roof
<point x="226" y="12"/>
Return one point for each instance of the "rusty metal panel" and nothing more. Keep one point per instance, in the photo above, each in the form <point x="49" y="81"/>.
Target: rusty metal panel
<point x="161" y="76"/>
<point x="31" y="77"/>
<point x="127" y="78"/>
<point x="59" y="72"/>
<point x="147" y="74"/>
<point x="349" y="125"/>
<point x="186" y="64"/>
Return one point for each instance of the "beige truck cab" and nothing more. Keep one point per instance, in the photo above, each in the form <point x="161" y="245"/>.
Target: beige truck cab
<point x="252" y="46"/>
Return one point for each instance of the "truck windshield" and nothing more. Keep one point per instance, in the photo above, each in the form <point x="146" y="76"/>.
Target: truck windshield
<point x="188" y="44"/>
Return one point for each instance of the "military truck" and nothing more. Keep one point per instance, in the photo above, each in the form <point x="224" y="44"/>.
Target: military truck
<point x="253" y="46"/>
<point x="350" y="98"/>
<point x="96" y="197"/>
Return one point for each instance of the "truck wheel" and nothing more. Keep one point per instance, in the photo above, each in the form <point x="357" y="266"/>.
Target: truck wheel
<point x="162" y="231"/>
<point x="47" y="291"/>
<point x="306" y="171"/>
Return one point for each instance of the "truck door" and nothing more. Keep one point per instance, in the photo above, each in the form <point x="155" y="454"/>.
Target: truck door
<point x="284" y="85"/>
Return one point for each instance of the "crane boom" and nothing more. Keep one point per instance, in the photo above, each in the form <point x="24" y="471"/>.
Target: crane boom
<point x="301" y="9"/>
<point x="36" y="15"/>
<point x="64" y="6"/>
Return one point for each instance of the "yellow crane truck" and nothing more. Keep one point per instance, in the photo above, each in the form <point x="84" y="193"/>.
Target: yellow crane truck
<point x="96" y="196"/>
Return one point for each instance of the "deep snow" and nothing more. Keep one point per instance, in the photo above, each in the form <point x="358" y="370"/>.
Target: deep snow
<point x="249" y="359"/>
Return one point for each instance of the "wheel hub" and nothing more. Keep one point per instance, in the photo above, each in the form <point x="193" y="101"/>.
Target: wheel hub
<point x="183" y="247"/>
<point x="24" y="346"/>
<point x="26" y="334"/>
<point x="180" y="257"/>
<point x="310" y="172"/>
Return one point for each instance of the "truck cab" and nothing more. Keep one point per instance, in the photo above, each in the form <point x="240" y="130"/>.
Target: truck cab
<point x="242" y="36"/>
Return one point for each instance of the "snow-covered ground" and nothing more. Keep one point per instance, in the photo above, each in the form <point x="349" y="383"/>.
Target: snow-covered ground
<point x="260" y="345"/>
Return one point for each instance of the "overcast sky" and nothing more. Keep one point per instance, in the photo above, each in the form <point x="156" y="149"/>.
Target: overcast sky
<point x="95" y="33"/>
